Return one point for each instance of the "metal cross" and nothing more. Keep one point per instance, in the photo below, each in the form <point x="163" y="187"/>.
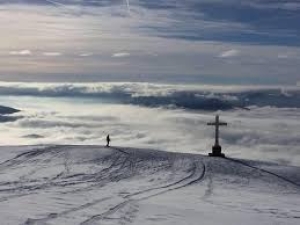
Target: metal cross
<point x="217" y="123"/>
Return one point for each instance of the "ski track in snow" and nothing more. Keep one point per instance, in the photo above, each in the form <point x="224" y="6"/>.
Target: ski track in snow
<point x="266" y="171"/>
<point x="194" y="177"/>
<point x="93" y="184"/>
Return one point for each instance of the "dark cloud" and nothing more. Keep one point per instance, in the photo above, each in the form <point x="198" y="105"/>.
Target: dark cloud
<point x="254" y="22"/>
<point x="33" y="136"/>
<point x="6" y="119"/>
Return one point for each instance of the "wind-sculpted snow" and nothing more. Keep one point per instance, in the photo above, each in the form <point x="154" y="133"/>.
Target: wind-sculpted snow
<point x="97" y="185"/>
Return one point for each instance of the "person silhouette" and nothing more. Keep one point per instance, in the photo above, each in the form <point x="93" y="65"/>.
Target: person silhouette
<point x="107" y="140"/>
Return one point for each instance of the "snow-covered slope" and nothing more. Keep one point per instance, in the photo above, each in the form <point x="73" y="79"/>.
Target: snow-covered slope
<point x="97" y="185"/>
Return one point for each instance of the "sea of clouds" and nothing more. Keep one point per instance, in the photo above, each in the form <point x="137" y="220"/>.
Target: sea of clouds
<point x="263" y="122"/>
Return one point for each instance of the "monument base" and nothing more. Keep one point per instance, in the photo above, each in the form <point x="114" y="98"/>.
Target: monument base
<point x="217" y="152"/>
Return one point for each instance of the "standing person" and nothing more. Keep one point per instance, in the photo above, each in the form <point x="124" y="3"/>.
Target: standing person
<point x="107" y="140"/>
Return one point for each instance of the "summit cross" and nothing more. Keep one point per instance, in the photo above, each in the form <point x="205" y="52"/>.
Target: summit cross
<point x="216" y="149"/>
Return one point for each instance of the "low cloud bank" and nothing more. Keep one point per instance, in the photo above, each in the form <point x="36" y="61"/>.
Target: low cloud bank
<point x="264" y="133"/>
<point x="207" y="98"/>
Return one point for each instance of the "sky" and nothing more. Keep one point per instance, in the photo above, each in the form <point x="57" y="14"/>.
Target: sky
<point x="206" y="41"/>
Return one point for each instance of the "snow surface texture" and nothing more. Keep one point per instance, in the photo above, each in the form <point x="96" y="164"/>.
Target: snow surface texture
<point x="97" y="185"/>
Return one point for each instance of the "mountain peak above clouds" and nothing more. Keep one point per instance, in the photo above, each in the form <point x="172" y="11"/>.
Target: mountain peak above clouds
<point x="95" y="184"/>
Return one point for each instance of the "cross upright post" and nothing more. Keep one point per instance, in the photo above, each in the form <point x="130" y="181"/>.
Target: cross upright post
<point x="217" y="149"/>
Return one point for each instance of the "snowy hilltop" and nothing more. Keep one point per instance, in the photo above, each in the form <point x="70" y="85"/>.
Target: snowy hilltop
<point x="97" y="185"/>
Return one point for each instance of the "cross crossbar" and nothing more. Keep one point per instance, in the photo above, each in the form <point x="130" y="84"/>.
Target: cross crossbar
<point x="220" y="124"/>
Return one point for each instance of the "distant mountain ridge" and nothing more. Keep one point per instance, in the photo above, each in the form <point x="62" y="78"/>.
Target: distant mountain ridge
<point x="4" y="110"/>
<point x="206" y="98"/>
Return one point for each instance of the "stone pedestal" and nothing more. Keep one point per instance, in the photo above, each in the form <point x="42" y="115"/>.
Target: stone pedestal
<point x="217" y="151"/>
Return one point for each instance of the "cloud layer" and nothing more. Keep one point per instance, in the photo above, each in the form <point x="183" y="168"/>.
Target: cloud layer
<point x="163" y="38"/>
<point x="261" y="132"/>
<point x="191" y="97"/>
